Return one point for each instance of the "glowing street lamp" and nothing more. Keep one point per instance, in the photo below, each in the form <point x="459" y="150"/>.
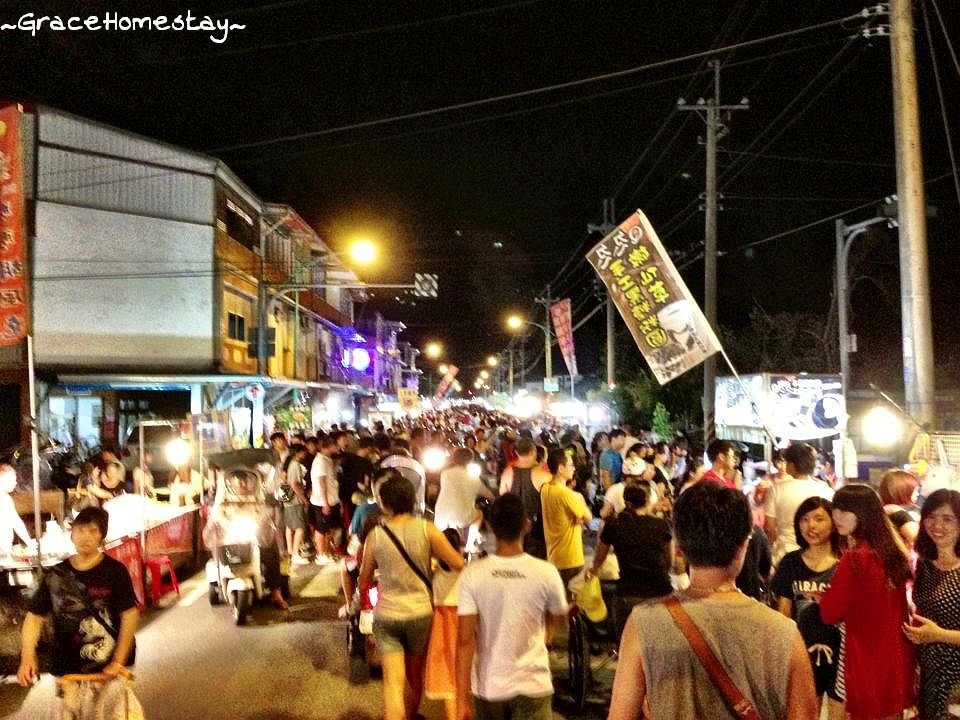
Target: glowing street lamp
<point x="492" y="361"/>
<point x="484" y="374"/>
<point x="515" y="322"/>
<point x="433" y="350"/>
<point x="443" y="368"/>
<point x="363" y="252"/>
<point x="882" y="427"/>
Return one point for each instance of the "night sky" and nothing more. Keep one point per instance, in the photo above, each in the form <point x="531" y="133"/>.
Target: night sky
<point x="495" y="197"/>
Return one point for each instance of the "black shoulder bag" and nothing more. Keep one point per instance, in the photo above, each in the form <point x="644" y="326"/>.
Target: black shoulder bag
<point x="406" y="556"/>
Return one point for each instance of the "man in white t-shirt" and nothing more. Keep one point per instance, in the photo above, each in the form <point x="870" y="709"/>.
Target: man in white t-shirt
<point x="325" y="500"/>
<point x="510" y="604"/>
<point x="457" y="502"/>
<point x="785" y="496"/>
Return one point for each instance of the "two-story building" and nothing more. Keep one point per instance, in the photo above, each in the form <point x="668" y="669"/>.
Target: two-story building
<point x="149" y="267"/>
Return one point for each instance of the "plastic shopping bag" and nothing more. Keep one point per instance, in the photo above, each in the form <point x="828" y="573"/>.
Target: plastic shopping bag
<point x="590" y="600"/>
<point x="84" y="698"/>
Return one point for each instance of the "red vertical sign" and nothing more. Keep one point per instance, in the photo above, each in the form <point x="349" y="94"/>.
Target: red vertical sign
<point x="560" y="312"/>
<point x="13" y="289"/>
<point x="445" y="384"/>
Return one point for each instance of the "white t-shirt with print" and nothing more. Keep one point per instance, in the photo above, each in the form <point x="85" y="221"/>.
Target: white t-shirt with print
<point x="323" y="468"/>
<point x="783" y="499"/>
<point x="511" y="595"/>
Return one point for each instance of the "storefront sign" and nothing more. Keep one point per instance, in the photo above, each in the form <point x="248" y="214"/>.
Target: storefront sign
<point x="562" y="326"/>
<point x="664" y="319"/>
<point x="409" y="399"/>
<point x="13" y="264"/>
<point x="797" y="407"/>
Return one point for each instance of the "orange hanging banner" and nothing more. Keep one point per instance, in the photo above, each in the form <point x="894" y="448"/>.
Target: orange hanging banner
<point x="13" y="288"/>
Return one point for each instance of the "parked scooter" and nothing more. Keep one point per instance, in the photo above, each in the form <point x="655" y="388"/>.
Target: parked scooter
<point x="239" y="524"/>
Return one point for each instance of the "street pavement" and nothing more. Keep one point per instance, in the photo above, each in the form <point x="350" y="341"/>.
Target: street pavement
<point x="193" y="662"/>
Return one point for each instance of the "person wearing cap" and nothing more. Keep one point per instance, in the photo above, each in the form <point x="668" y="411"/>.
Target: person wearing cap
<point x="509" y="606"/>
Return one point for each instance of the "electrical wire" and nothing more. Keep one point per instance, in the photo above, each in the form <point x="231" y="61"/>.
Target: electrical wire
<point x="364" y="32"/>
<point x="531" y="92"/>
<point x="684" y="216"/>
<point x="946" y="35"/>
<point x="800" y="158"/>
<point x="943" y="105"/>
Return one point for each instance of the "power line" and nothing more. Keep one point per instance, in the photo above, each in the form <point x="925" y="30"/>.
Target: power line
<point x="829" y="218"/>
<point x="319" y="39"/>
<point x="675" y="223"/>
<point x="531" y="92"/>
<point x="946" y="35"/>
<point x="943" y="105"/>
<point x="800" y="158"/>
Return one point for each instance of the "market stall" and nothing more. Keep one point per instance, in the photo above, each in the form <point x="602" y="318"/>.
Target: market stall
<point x="141" y="528"/>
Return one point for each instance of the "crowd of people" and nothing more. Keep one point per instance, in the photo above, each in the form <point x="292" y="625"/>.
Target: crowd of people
<point x="807" y="593"/>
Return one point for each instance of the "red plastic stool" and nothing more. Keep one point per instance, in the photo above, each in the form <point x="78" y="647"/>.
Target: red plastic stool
<point x="155" y="564"/>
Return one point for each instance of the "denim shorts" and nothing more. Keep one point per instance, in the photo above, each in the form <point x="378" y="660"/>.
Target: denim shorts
<point x="407" y="636"/>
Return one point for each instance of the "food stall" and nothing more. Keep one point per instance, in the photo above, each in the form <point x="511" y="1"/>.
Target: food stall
<point x="141" y="527"/>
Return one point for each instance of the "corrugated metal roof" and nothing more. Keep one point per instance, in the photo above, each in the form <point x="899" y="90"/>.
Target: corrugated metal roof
<point x="61" y="128"/>
<point x="124" y="186"/>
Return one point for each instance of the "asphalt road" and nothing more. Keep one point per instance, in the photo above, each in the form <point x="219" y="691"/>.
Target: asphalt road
<point x="193" y="662"/>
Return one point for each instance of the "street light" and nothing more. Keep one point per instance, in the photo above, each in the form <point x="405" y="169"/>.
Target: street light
<point x="493" y="361"/>
<point x="443" y="368"/>
<point x="363" y="251"/>
<point x="515" y="322"/>
<point x="433" y="350"/>
<point x="484" y="374"/>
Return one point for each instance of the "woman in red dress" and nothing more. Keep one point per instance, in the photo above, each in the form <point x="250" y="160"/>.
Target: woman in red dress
<point x="869" y="595"/>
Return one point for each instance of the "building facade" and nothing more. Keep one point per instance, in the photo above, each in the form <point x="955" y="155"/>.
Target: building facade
<point x="149" y="267"/>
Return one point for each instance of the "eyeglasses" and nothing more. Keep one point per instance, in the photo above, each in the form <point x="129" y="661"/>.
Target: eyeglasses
<point x="945" y="520"/>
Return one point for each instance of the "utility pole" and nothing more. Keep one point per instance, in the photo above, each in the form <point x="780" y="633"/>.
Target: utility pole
<point x="605" y="228"/>
<point x="547" y="302"/>
<point x="918" y="368"/>
<point x="716" y="130"/>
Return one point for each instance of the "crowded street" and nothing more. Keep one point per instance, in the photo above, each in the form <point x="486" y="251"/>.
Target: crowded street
<point x="479" y="360"/>
<point x="194" y="663"/>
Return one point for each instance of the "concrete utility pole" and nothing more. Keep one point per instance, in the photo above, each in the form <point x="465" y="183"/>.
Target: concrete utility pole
<point x="716" y="130"/>
<point x="605" y="228"/>
<point x="918" y="368"/>
<point x="547" y="301"/>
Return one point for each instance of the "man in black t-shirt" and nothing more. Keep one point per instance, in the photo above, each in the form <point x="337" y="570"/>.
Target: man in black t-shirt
<point x="93" y="605"/>
<point x="644" y="547"/>
<point x="355" y="472"/>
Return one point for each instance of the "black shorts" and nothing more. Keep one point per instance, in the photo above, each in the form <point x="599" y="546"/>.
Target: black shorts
<point x="329" y="522"/>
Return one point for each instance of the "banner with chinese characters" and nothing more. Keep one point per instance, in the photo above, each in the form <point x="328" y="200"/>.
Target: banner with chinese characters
<point x="445" y="384"/>
<point x="664" y="319"/>
<point x="13" y="290"/>
<point x="560" y="313"/>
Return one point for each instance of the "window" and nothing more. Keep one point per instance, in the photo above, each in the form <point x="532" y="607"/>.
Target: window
<point x="236" y="327"/>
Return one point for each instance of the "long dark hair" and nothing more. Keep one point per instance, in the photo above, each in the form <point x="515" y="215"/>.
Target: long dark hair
<point x="875" y="529"/>
<point x="924" y="544"/>
<point x="807" y="506"/>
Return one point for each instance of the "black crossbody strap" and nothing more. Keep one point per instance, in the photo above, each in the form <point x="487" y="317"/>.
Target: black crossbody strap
<point x="406" y="556"/>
